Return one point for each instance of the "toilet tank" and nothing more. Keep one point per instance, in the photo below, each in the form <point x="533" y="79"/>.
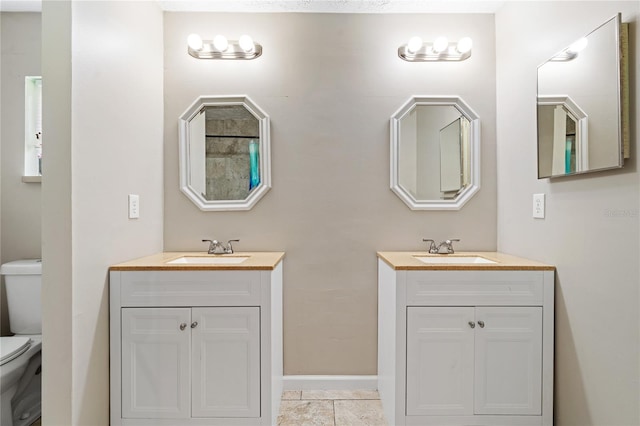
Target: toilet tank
<point x="23" y="282"/>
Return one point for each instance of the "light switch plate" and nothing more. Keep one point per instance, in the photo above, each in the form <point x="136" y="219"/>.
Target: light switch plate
<point x="134" y="206"/>
<point x="538" y="206"/>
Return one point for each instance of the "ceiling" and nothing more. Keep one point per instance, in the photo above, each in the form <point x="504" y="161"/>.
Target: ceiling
<point x="308" y="6"/>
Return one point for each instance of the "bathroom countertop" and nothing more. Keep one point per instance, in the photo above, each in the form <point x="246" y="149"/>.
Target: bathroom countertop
<point x="405" y="260"/>
<point x="158" y="262"/>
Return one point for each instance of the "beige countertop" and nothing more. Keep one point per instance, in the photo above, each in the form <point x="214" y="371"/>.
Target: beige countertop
<point x="158" y="262"/>
<point x="405" y="260"/>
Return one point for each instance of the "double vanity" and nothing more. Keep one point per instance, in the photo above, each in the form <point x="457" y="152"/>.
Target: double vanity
<point x="465" y="339"/>
<point x="196" y="339"/>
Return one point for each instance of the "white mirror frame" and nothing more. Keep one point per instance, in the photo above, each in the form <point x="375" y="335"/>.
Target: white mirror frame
<point x="474" y="186"/>
<point x="265" y="153"/>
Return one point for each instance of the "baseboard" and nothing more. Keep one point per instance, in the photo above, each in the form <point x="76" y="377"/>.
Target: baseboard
<point x="330" y="382"/>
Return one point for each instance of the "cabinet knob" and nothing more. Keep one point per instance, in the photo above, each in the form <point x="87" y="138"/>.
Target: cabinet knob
<point x="183" y="326"/>
<point x="472" y="324"/>
<point x="481" y="324"/>
<point x="194" y="324"/>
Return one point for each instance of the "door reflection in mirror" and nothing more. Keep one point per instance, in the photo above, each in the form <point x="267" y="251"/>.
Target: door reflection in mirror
<point x="434" y="146"/>
<point x="454" y="158"/>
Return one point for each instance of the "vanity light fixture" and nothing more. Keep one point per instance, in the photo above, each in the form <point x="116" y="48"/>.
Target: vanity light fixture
<point x="221" y="48"/>
<point x="572" y="51"/>
<point x="439" y="50"/>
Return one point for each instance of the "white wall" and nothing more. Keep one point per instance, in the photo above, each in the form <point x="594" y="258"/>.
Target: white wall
<point x="103" y="110"/>
<point x="57" y="335"/>
<point x="330" y="83"/>
<point x="591" y="227"/>
<point x="21" y="211"/>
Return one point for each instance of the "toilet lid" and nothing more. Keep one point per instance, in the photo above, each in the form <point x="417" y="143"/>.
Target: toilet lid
<point x="12" y="347"/>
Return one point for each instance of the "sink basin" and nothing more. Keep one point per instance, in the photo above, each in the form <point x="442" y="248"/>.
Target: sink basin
<point x="205" y="260"/>
<point x="462" y="260"/>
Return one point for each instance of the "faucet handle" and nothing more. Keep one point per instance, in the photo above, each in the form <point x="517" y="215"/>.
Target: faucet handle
<point x="432" y="246"/>
<point x="229" y="248"/>
<point x="449" y="244"/>
<point x="212" y="244"/>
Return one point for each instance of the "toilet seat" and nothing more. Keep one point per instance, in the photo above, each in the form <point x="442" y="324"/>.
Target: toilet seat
<point x="12" y="347"/>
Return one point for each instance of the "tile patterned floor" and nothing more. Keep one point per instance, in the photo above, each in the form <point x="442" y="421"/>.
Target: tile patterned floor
<point x="328" y="408"/>
<point x="331" y="408"/>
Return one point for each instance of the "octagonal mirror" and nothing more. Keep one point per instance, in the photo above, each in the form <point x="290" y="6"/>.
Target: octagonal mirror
<point x="224" y="153"/>
<point x="435" y="153"/>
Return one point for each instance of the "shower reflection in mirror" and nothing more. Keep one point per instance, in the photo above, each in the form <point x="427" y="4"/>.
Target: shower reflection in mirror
<point x="228" y="152"/>
<point x="563" y="142"/>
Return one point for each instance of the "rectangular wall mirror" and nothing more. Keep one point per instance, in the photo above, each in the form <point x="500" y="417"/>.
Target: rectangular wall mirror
<point x="580" y="104"/>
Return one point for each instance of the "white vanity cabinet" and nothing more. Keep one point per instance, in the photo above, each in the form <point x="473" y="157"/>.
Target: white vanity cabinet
<point x="208" y="360"/>
<point x="465" y="345"/>
<point x="196" y="347"/>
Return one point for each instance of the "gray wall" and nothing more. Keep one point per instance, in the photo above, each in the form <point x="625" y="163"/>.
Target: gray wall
<point x="21" y="211"/>
<point x="329" y="83"/>
<point x="591" y="227"/>
<point x="102" y="73"/>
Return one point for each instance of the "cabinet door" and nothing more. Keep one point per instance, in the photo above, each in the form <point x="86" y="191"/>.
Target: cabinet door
<point x="508" y="369"/>
<point x="439" y="361"/>
<point x="226" y="362"/>
<point x="155" y="362"/>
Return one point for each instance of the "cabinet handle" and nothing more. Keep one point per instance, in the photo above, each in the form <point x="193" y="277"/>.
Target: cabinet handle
<point x="194" y="324"/>
<point x="472" y="324"/>
<point x="183" y="326"/>
<point x="481" y="324"/>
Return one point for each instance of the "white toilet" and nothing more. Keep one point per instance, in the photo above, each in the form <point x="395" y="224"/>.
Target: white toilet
<point x="20" y="362"/>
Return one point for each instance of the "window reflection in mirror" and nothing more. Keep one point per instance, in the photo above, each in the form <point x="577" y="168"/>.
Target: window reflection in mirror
<point x="435" y="152"/>
<point x="579" y="106"/>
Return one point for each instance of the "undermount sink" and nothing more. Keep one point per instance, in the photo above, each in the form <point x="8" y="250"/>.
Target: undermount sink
<point x="203" y="260"/>
<point x="462" y="260"/>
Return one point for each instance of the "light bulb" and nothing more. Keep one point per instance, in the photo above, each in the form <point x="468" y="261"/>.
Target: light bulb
<point x="415" y="43"/>
<point x="440" y="44"/>
<point x="194" y="41"/>
<point x="578" y="45"/>
<point x="464" y="45"/>
<point x="246" y="43"/>
<point x="221" y="43"/>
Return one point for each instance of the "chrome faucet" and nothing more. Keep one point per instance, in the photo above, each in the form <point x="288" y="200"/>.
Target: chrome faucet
<point x="447" y="244"/>
<point x="218" y="247"/>
<point x="432" y="247"/>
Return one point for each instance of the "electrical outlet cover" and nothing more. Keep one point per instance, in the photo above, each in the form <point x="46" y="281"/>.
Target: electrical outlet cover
<point x="538" y="206"/>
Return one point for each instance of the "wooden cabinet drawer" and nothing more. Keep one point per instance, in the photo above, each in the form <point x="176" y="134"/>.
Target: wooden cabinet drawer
<point x="188" y="288"/>
<point x="474" y="288"/>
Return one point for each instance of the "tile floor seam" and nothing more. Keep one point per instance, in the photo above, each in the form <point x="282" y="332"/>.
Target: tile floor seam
<point x="333" y="404"/>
